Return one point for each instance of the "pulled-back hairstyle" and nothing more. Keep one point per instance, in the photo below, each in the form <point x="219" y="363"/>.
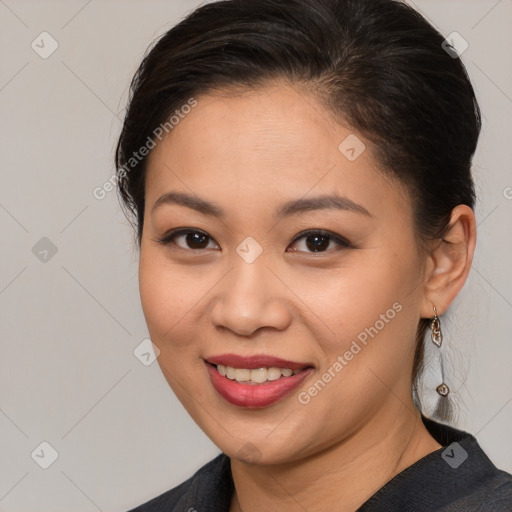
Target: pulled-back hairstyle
<point x="377" y="65"/>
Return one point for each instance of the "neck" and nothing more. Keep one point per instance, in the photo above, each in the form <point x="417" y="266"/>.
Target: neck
<point x="340" y="478"/>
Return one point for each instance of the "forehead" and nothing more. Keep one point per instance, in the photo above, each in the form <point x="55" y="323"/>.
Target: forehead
<point x="265" y="145"/>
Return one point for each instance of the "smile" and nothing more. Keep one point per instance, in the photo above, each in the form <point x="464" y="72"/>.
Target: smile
<point x="257" y="376"/>
<point x="256" y="381"/>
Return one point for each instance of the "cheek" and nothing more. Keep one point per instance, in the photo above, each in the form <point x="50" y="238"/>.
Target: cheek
<point x="371" y="311"/>
<point x="169" y="301"/>
<point x="166" y="297"/>
<point x="363" y="294"/>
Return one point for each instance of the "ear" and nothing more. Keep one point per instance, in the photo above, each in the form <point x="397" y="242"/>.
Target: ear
<point x="449" y="262"/>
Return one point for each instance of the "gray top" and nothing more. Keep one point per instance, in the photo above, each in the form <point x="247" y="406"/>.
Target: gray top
<point x="456" y="478"/>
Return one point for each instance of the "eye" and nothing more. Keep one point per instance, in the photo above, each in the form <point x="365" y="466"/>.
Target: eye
<point x="186" y="238"/>
<point x="319" y="241"/>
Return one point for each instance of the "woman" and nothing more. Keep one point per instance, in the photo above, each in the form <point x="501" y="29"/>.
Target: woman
<point x="299" y="175"/>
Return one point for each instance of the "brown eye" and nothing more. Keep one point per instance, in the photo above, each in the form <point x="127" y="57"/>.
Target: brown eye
<point x="188" y="239"/>
<point x="318" y="241"/>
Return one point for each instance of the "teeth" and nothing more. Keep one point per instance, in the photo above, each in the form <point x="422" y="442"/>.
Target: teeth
<point x="256" y="376"/>
<point x="242" y="375"/>
<point x="259" y="375"/>
<point x="273" y="373"/>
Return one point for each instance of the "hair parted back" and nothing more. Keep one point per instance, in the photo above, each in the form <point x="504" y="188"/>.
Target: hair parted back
<point x="377" y="65"/>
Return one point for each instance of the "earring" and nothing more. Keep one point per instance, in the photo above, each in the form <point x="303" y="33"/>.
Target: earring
<point x="435" y="325"/>
<point x="443" y="409"/>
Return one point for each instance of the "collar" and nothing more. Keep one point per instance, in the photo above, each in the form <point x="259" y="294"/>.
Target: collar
<point x="448" y="476"/>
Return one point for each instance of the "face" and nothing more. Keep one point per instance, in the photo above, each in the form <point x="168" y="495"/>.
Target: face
<point x="267" y="244"/>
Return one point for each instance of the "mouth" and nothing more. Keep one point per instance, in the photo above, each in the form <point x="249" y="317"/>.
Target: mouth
<point x="256" y="381"/>
<point x="256" y="376"/>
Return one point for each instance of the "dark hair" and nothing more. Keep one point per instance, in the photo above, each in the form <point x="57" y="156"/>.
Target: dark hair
<point x="377" y="65"/>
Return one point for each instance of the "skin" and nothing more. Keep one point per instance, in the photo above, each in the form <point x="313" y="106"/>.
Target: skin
<point x="248" y="153"/>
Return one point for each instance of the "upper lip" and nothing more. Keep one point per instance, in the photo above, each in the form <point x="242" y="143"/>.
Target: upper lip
<point x="255" y="361"/>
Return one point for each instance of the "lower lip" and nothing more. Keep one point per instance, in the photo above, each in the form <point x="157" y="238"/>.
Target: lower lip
<point x="255" y="395"/>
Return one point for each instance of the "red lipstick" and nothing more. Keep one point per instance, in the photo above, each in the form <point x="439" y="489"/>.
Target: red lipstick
<point x="243" y="394"/>
<point x="256" y="361"/>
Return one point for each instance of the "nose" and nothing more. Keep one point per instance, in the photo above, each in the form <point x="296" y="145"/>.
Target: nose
<point x="251" y="298"/>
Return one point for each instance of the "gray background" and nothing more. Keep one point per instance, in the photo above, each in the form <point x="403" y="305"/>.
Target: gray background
<point x="70" y="321"/>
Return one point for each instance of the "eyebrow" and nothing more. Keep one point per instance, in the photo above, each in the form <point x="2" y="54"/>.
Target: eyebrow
<point x="293" y="207"/>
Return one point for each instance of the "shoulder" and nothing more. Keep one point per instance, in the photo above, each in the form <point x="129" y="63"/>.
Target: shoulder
<point x="457" y="477"/>
<point x="471" y="478"/>
<point x="210" y="488"/>
<point x="499" y="497"/>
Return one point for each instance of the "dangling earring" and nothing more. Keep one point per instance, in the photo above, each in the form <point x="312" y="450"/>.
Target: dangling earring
<point x="443" y="409"/>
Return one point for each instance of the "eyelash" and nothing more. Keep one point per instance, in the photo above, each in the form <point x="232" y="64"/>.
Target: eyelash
<point x="342" y="242"/>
